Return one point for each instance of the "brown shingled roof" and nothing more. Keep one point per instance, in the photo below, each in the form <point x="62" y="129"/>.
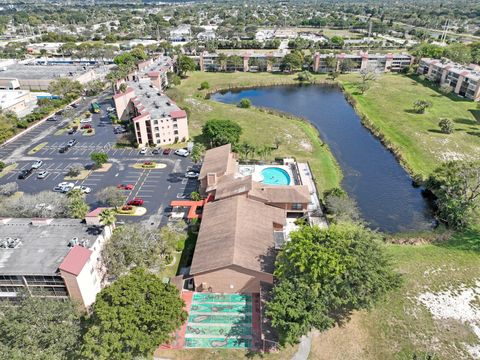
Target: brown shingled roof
<point x="236" y="231"/>
<point x="218" y="160"/>
<point x="229" y="186"/>
<point x="280" y="194"/>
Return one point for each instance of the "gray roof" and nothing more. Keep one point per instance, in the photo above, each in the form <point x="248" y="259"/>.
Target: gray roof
<point x="42" y="247"/>
<point x="155" y="102"/>
<point x="43" y="72"/>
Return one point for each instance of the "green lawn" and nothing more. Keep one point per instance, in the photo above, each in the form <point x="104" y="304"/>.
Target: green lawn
<point x="399" y="326"/>
<point x="299" y="139"/>
<point x="388" y="105"/>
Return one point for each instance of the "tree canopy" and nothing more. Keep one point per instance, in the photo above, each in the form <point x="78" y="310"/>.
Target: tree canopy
<point x="65" y="88"/>
<point x="456" y="186"/>
<point x="39" y="328"/>
<point x="325" y="274"/>
<point x="135" y="246"/>
<point x="185" y="64"/>
<point x="221" y="131"/>
<point x="132" y="317"/>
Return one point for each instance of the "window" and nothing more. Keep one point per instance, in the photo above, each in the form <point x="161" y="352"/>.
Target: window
<point x="155" y="122"/>
<point x="297" y="206"/>
<point x="176" y="132"/>
<point x="156" y="128"/>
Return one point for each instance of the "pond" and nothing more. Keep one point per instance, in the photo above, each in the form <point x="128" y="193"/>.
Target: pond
<point x="372" y="175"/>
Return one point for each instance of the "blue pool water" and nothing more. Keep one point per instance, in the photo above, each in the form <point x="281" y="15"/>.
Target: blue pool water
<point x="275" y="176"/>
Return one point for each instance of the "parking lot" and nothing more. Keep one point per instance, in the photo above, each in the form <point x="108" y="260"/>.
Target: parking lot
<point x="157" y="187"/>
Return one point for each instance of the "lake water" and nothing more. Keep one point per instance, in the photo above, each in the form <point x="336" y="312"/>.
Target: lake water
<point x="372" y="175"/>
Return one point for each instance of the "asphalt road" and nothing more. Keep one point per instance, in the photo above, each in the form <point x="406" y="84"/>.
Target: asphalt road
<point x="157" y="187"/>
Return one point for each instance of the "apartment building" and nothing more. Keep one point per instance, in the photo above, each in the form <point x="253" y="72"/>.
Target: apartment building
<point x="156" y="118"/>
<point x="58" y="258"/>
<point x="464" y="80"/>
<point x="270" y="62"/>
<point x="362" y="60"/>
<point x="17" y="101"/>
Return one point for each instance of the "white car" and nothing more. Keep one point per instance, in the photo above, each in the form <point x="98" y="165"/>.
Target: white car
<point x="37" y="164"/>
<point x="86" y="120"/>
<point x="58" y="188"/>
<point x="42" y="174"/>
<point x="83" y="189"/>
<point x="182" y="152"/>
<point x="111" y="109"/>
<point x="65" y="183"/>
<point x="67" y="188"/>
<point x="192" y="174"/>
<point x="143" y="151"/>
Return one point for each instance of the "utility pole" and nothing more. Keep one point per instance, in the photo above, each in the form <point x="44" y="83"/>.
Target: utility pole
<point x="444" y="34"/>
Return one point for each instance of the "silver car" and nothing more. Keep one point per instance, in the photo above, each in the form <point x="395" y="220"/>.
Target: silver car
<point x="42" y="174"/>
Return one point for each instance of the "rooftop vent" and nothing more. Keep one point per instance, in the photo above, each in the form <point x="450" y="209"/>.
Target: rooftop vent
<point x="73" y="242"/>
<point x="9" y="243"/>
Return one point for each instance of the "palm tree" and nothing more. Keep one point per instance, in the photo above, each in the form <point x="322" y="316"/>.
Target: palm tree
<point x="222" y="60"/>
<point x="108" y="217"/>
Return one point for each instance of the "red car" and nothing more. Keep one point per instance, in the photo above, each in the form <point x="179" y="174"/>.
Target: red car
<point x="167" y="151"/>
<point x="136" y="202"/>
<point x="125" y="187"/>
<point x="86" y="126"/>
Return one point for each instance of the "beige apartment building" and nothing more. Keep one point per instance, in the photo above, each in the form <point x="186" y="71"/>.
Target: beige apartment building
<point x="156" y="118"/>
<point x="464" y="80"/>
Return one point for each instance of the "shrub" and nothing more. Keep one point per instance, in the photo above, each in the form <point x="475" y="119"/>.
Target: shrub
<point x="446" y="126"/>
<point x="446" y="89"/>
<point x="244" y="103"/>
<point x="22" y="124"/>
<point x="420" y="106"/>
<point x="204" y="85"/>
<point x="74" y="170"/>
<point x="2" y="165"/>
<point x="180" y="245"/>
<point x="8" y="189"/>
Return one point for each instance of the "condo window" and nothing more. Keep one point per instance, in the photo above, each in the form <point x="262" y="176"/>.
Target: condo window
<point x="297" y="206"/>
<point x="176" y="132"/>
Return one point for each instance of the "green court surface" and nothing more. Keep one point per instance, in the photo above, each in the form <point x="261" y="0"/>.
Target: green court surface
<point x="221" y="308"/>
<point x="219" y="342"/>
<point x="219" y="321"/>
<point x="229" y="298"/>
<point x="229" y="330"/>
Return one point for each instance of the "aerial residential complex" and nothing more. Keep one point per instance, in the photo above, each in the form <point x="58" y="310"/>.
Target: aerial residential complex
<point x="157" y="119"/>
<point x="52" y="258"/>
<point x="253" y="210"/>
<point x="270" y="61"/>
<point x="464" y="80"/>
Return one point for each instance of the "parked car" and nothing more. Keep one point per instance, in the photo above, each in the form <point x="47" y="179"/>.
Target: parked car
<point x="52" y="118"/>
<point x="125" y="186"/>
<point x="167" y="151"/>
<point x="182" y="152"/>
<point x="58" y="189"/>
<point x="136" y="202"/>
<point x="42" y="174"/>
<point x="192" y="174"/>
<point x="86" y="120"/>
<point x="72" y="131"/>
<point x="72" y="142"/>
<point x="59" y="112"/>
<point x="143" y="151"/>
<point x="101" y="124"/>
<point x="156" y="151"/>
<point x="110" y="109"/>
<point x="25" y="174"/>
<point x="66" y="183"/>
<point x="67" y="188"/>
<point x="63" y="149"/>
<point x="86" y="126"/>
<point x="83" y="189"/>
<point x="37" y="164"/>
<point x="75" y="105"/>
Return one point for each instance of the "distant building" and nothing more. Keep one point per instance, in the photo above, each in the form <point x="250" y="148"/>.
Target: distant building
<point x="207" y="35"/>
<point x="464" y="80"/>
<point x="57" y="258"/>
<point x="363" y="60"/>
<point x="35" y="75"/>
<point x="181" y="33"/>
<point x="17" y="101"/>
<point x="157" y="119"/>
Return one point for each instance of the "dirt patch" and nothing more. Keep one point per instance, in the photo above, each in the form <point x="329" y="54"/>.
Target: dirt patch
<point x="305" y="145"/>
<point x="199" y="105"/>
<point x="339" y="343"/>
<point x="459" y="304"/>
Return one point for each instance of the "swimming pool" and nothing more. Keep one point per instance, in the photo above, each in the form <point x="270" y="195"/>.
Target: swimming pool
<point x="275" y="176"/>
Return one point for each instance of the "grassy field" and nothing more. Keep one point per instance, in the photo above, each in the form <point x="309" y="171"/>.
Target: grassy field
<point x="299" y="139"/>
<point x="401" y="326"/>
<point x="388" y="104"/>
